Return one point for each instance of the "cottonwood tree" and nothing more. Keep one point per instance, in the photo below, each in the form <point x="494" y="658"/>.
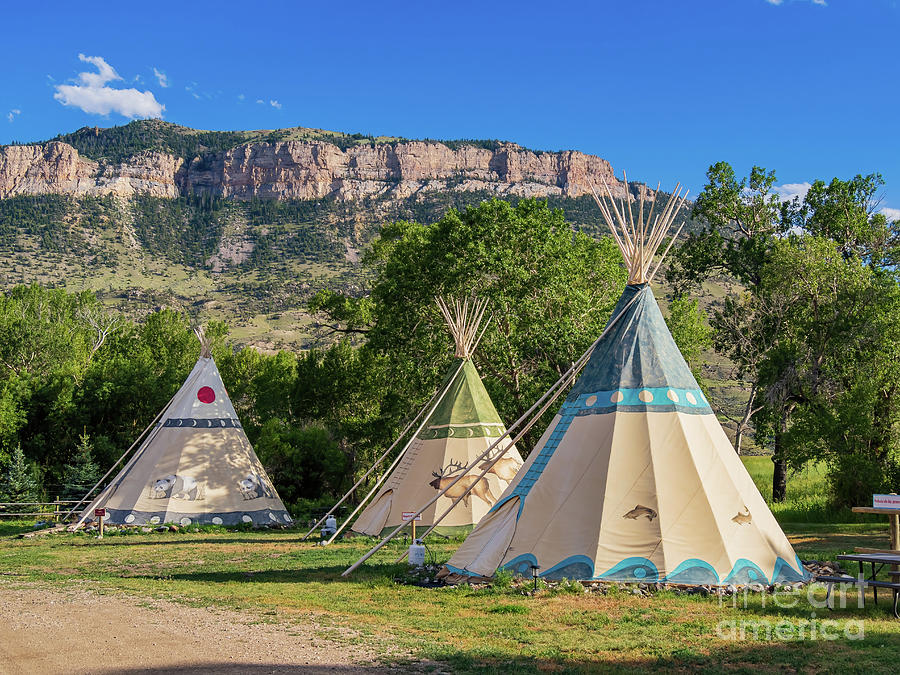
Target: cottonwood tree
<point x="775" y="328"/>
<point x="550" y="292"/>
<point x="836" y="365"/>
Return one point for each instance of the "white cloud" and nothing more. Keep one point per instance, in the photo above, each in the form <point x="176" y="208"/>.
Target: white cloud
<point x="105" y="72"/>
<point x="12" y="114"/>
<point x="890" y="214"/>
<point x="275" y="104"/>
<point x="91" y="94"/>
<point x="774" y="2"/>
<point x="788" y="191"/>
<point x="259" y="100"/>
<point x="241" y="97"/>
<point x="161" y="77"/>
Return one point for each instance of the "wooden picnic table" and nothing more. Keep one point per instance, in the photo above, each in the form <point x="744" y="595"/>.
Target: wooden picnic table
<point x="880" y="559"/>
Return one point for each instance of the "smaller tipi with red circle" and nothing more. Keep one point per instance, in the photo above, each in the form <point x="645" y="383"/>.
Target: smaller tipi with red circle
<point x="196" y="465"/>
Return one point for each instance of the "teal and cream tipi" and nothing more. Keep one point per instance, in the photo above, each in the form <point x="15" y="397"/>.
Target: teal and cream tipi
<point x="634" y="480"/>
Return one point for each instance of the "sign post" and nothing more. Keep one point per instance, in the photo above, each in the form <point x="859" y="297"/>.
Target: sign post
<point x="100" y="514"/>
<point x="408" y="518"/>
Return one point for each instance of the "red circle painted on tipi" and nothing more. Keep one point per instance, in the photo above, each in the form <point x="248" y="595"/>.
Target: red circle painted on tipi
<point x="206" y="395"/>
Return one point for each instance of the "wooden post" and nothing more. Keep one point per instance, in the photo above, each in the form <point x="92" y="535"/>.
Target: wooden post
<point x="413" y="521"/>
<point x="100" y="514"/>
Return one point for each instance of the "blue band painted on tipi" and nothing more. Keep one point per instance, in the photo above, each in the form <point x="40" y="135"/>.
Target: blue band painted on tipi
<point x="645" y="399"/>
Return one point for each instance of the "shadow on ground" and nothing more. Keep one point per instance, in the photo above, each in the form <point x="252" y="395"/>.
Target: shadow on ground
<point x="295" y="575"/>
<point x="230" y="668"/>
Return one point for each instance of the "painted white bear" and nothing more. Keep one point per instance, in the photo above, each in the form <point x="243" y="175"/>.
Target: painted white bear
<point x="254" y="486"/>
<point x="176" y="487"/>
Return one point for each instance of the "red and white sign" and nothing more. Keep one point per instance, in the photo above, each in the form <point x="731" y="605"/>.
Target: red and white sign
<point x="886" y="501"/>
<point x="100" y="513"/>
<point x="408" y="516"/>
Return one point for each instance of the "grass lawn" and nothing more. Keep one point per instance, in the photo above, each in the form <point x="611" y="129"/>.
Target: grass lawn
<point x="281" y="579"/>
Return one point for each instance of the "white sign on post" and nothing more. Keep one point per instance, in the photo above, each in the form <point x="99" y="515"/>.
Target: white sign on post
<point x="886" y="501"/>
<point x="408" y="516"/>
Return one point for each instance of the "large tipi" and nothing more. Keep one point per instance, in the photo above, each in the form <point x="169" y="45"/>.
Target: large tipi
<point x="195" y="466"/>
<point x="461" y="426"/>
<point x="634" y="480"/>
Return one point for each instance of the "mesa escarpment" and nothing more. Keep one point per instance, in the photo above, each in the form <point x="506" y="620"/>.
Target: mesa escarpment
<point x="304" y="170"/>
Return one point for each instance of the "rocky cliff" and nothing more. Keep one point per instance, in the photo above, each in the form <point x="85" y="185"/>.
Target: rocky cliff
<point x="300" y="170"/>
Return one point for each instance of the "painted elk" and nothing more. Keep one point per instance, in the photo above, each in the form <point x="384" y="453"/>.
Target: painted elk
<point x="450" y="473"/>
<point x="505" y="468"/>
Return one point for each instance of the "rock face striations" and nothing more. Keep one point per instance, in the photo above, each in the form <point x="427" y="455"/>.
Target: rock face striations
<point x="306" y="170"/>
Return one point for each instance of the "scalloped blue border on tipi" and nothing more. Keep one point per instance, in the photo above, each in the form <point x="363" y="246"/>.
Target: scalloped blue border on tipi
<point x="573" y="567"/>
<point x="632" y="569"/>
<point x="784" y="573"/>
<point x="693" y="571"/>
<point x="459" y="570"/>
<point x="746" y="572"/>
<point x="521" y="564"/>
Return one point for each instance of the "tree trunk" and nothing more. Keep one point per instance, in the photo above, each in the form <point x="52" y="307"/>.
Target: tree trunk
<point x="779" y="470"/>
<point x="779" y="480"/>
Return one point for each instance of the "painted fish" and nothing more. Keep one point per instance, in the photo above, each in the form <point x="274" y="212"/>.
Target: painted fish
<point x="639" y="511"/>
<point x="743" y="518"/>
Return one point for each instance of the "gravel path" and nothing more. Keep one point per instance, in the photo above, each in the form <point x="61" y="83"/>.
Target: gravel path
<point x="51" y="631"/>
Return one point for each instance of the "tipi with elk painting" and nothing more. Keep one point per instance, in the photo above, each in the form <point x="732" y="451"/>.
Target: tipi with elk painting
<point x="456" y="426"/>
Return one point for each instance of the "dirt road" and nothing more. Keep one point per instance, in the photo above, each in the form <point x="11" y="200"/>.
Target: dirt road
<point x="51" y="631"/>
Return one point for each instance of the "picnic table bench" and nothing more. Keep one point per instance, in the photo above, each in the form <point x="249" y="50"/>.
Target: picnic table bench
<point x="879" y="559"/>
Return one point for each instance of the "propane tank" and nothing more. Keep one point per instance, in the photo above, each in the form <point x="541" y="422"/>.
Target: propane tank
<point x="330" y="526"/>
<point x="417" y="553"/>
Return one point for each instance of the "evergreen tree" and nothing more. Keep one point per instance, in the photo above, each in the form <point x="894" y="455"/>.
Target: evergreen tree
<point x="81" y="475"/>
<point x="19" y="484"/>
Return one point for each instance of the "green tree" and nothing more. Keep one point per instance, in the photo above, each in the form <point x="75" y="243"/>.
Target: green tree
<point x="19" y="484"/>
<point x="82" y="473"/>
<point x="836" y="365"/>
<point x="688" y="326"/>
<point x="743" y="218"/>
<point x="304" y="462"/>
<point x="550" y="292"/>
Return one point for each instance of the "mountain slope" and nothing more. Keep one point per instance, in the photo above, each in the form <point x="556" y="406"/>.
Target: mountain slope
<point x="245" y="225"/>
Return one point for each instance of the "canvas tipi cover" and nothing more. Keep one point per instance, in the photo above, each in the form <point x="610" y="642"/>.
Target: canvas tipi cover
<point x="196" y="466"/>
<point x="463" y="425"/>
<point x="634" y="480"/>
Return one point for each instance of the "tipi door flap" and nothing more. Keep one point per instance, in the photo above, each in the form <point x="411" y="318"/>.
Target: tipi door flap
<point x="372" y="520"/>
<point x="492" y="538"/>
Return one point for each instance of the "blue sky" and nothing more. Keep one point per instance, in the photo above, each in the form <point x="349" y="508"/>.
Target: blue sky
<point x="662" y="89"/>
